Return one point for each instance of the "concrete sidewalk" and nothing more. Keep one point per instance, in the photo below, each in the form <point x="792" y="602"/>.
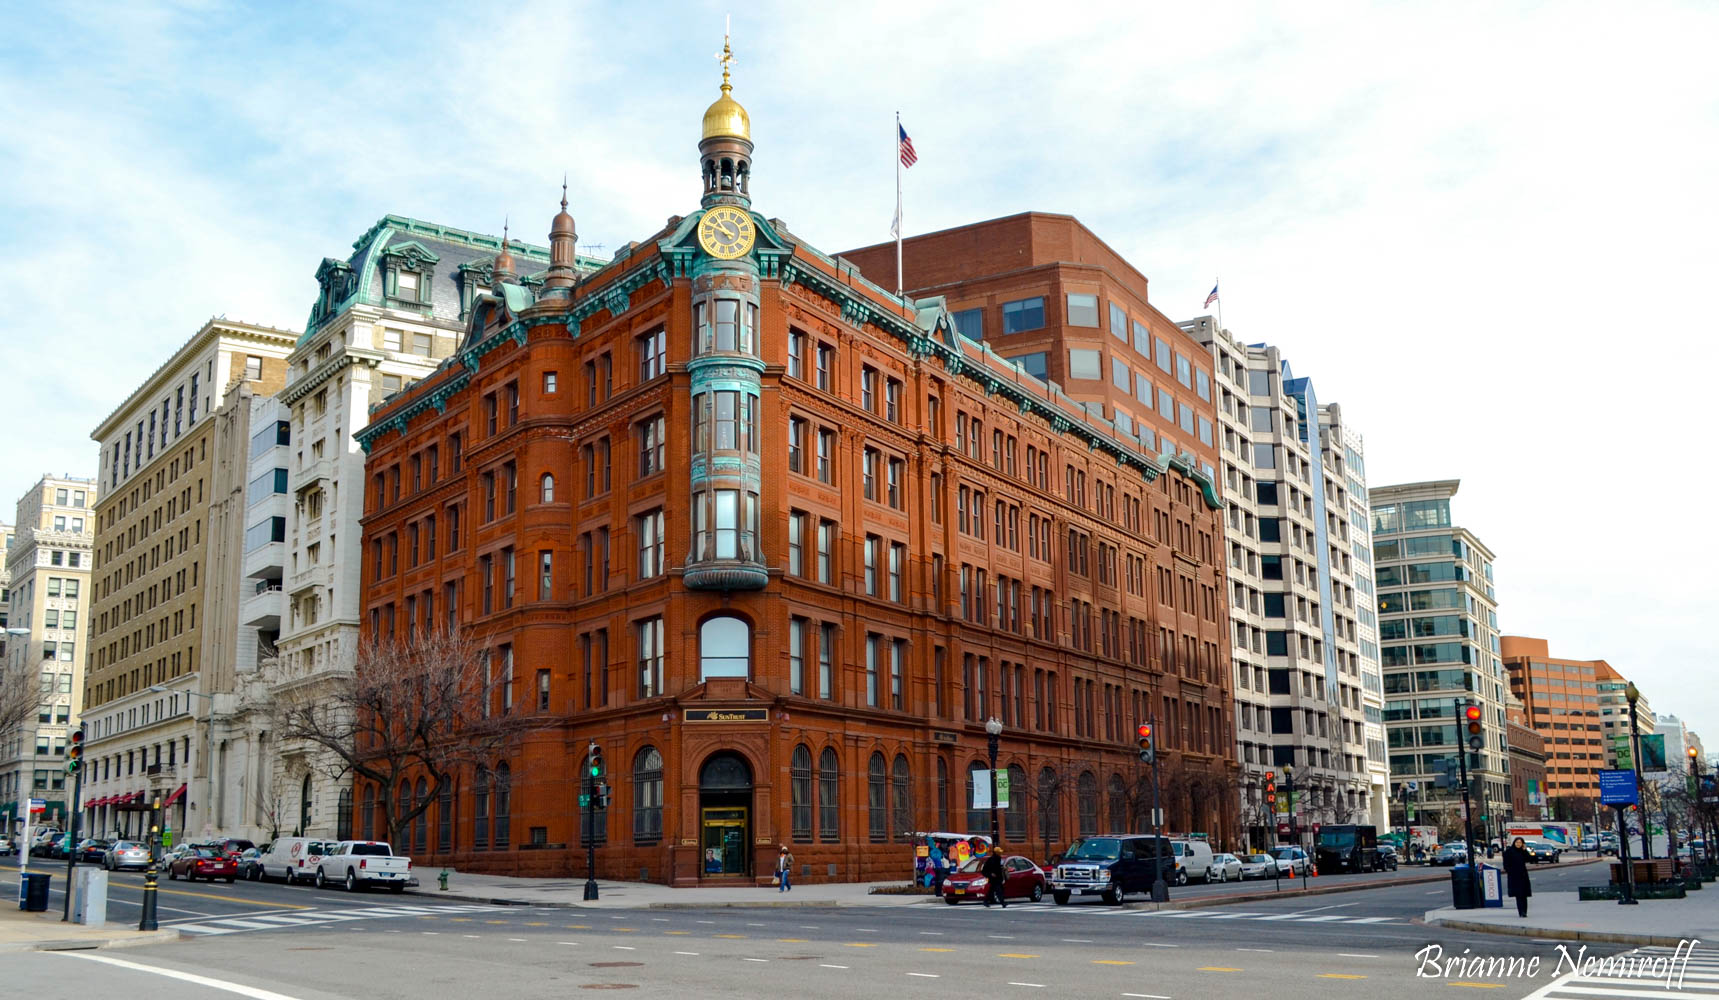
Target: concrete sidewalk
<point x="508" y="890"/>
<point x="22" y="931"/>
<point x="1663" y="922"/>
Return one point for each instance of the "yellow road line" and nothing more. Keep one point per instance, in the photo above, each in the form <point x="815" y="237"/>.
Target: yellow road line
<point x="536" y="923"/>
<point x="495" y="921"/>
<point x="937" y="949"/>
<point x="1339" y="975"/>
<point x="792" y="940"/>
<point x="577" y="927"/>
<point x="669" y="932"/>
<point x="1217" y="968"/>
<point x="459" y="920"/>
<point x="624" y="930"/>
<point x="1109" y="961"/>
<point x="731" y="936"/>
<point x="1015" y="954"/>
<point x="852" y="944"/>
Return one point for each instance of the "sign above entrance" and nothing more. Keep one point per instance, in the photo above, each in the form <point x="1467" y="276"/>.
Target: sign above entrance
<point x="945" y="737"/>
<point x="727" y="715"/>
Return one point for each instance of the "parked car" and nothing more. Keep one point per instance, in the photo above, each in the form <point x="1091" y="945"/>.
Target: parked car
<point x="292" y="859"/>
<point x="1589" y="843"/>
<point x="1291" y="859"/>
<point x="202" y="862"/>
<point x="125" y="854"/>
<point x="251" y="864"/>
<point x="1025" y="880"/>
<point x="357" y="864"/>
<point x="232" y="847"/>
<point x="53" y="846"/>
<point x="1388" y="860"/>
<point x="1224" y="867"/>
<point x="1112" y="867"/>
<point x="1193" y="860"/>
<point x="1258" y="866"/>
<point x="5" y="846"/>
<point x="92" y="849"/>
<point x="1451" y="854"/>
<point x="1542" y="851"/>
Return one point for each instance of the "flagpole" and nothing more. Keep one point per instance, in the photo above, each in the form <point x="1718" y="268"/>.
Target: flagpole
<point x="896" y="145"/>
<point x="1217" y="283"/>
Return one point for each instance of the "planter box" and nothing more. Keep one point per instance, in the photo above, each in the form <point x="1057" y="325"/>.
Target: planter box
<point x="1592" y="893"/>
<point x="1660" y="890"/>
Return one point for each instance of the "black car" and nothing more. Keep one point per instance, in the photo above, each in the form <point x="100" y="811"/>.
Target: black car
<point x="1388" y="859"/>
<point x="251" y="863"/>
<point x="93" y="849"/>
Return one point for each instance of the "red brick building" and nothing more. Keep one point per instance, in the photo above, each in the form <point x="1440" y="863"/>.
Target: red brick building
<point x="1561" y="701"/>
<point x="781" y="542"/>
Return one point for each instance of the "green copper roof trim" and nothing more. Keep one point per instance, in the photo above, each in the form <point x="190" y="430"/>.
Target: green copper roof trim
<point x="448" y="234"/>
<point x="433" y="399"/>
<point x="1185" y="463"/>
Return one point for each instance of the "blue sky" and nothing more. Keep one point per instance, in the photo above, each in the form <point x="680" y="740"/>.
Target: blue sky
<point x="1482" y="228"/>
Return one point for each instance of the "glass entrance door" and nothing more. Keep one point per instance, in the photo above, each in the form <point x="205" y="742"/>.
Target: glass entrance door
<point x="724" y="839"/>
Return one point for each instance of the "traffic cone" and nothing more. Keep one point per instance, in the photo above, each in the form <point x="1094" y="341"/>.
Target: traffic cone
<point x="1313" y="871"/>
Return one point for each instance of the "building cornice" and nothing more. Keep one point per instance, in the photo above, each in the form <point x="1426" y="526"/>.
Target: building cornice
<point x="212" y="333"/>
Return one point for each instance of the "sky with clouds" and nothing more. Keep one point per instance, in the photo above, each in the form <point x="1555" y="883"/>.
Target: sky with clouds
<point x="1478" y="226"/>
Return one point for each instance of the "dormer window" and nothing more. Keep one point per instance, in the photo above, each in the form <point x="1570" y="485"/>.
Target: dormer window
<point x="406" y="285"/>
<point x="410" y="269"/>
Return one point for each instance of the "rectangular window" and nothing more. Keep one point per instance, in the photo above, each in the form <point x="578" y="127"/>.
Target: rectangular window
<point x="897" y="562"/>
<point x="1035" y="364"/>
<point x="897" y="471"/>
<point x="898" y="674"/>
<point x="651" y="432"/>
<point x="1166" y="405"/>
<point x="826" y="368"/>
<point x="796" y="354"/>
<point x="1082" y="309"/>
<point x="797" y="445"/>
<point x="826" y="661"/>
<point x="872" y="641"/>
<point x="826" y="551"/>
<point x="892" y="401"/>
<point x="1120" y="376"/>
<point x="549" y="383"/>
<point x="872" y="545"/>
<point x="796" y="543"/>
<point x="649" y="528"/>
<point x="869" y="460"/>
<point x="1025" y="314"/>
<point x="1163" y="354"/>
<point x="826" y="455"/>
<point x="970" y="323"/>
<point x="1084" y="364"/>
<point x="868" y="389"/>
<point x="653" y="355"/>
<point x="797" y="656"/>
<point x="650" y="663"/>
<point x="545" y="575"/>
<point x="1119" y="322"/>
<point x="1184" y="371"/>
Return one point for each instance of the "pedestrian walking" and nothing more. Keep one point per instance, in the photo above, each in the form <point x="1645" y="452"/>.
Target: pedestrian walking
<point x="994" y="874"/>
<point x="784" y="869"/>
<point x="938" y="869"/>
<point x="1516" y="874"/>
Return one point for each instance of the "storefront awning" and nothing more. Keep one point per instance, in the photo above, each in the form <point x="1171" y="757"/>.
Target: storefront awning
<point x="174" y="797"/>
<point x="93" y="803"/>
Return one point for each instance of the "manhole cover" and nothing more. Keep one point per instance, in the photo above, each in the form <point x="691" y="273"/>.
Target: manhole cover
<point x="610" y="986"/>
<point x="616" y="965"/>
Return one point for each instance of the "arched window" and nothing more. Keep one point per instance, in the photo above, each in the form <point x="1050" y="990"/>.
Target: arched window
<point x="978" y="820"/>
<point x="829" y="797"/>
<point x="901" y="790"/>
<point x="343" y="821"/>
<point x="480" y="810"/>
<point x="942" y="794"/>
<point x="1015" y="817"/>
<point x="445" y="816"/>
<point x="369" y="817"/>
<point x="876" y="796"/>
<point x="1049" y="796"/>
<point x="594" y="818"/>
<point x="547" y="487"/>
<point x="648" y="796"/>
<point x="420" y="836"/>
<point x="304" y="807"/>
<point x="1118" y="795"/>
<point x="800" y="793"/>
<point x="503" y="803"/>
<point x="725" y="648"/>
<point x="1087" y="822"/>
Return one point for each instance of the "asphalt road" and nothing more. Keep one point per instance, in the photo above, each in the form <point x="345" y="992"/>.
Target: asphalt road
<point x="250" y="938"/>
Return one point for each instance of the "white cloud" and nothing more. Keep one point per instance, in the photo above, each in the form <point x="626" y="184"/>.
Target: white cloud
<point x="1483" y="228"/>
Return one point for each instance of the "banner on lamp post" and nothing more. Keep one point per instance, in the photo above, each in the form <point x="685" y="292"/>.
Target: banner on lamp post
<point x="981" y="789"/>
<point x="1002" y="789"/>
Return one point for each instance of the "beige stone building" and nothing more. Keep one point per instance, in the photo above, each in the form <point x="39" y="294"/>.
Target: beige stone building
<point x="142" y="693"/>
<point x="48" y="574"/>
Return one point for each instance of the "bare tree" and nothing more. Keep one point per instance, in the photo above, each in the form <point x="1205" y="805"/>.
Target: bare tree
<point x="1047" y="798"/>
<point x="269" y="796"/>
<point x="429" y="706"/>
<point x="20" y="693"/>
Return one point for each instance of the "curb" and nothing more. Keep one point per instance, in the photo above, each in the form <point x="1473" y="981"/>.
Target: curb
<point x="1598" y="937"/>
<point x="729" y="905"/>
<point x="141" y="939"/>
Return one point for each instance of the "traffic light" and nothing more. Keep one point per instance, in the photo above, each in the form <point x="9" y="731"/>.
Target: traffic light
<point x="1143" y="732"/>
<point x="595" y="755"/>
<point x="1270" y="791"/>
<point x="1472" y="714"/>
<point x="75" y="753"/>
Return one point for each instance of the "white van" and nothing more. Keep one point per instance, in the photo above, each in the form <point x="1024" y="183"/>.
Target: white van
<point x="1193" y="860"/>
<point x="293" y="859"/>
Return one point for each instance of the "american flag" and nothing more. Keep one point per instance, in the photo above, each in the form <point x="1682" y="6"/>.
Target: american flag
<point x="1212" y="297"/>
<point x="908" y="156"/>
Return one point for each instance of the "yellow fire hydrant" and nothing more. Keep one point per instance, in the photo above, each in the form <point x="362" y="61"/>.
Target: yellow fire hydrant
<point x="443" y="878"/>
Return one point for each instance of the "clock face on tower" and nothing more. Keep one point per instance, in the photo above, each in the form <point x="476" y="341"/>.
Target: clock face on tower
<point x="726" y="233"/>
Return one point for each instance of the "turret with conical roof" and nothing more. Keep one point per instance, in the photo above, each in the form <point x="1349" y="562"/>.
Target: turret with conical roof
<point x="562" y="237"/>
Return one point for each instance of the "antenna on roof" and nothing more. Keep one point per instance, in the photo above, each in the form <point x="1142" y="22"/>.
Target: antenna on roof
<point x="592" y="249"/>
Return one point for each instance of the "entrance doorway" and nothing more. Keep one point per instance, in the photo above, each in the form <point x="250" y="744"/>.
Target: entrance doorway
<point x="725" y="816"/>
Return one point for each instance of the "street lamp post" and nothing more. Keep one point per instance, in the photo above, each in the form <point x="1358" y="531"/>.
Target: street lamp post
<point x="994" y="730"/>
<point x="1632" y="694"/>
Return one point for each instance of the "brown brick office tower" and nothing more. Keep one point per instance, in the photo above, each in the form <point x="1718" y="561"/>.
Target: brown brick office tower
<point x="780" y="543"/>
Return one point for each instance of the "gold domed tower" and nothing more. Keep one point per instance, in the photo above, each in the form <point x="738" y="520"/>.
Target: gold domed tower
<point x="725" y="145"/>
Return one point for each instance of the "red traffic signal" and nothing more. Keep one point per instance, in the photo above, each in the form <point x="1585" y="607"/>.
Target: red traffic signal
<point x="1143" y="731"/>
<point x="1147" y="752"/>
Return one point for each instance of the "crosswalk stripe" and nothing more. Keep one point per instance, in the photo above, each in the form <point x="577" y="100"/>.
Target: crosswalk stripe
<point x="201" y="929"/>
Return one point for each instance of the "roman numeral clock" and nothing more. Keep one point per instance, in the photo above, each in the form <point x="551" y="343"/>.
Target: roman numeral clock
<point x="726" y="233"/>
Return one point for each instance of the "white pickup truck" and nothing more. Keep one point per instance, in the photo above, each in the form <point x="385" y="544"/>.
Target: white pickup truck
<point x="359" y="863"/>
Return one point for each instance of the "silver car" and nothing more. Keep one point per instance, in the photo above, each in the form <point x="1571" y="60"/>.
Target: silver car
<point x="1223" y="868"/>
<point x="1259" y="866"/>
<point x="125" y="854"/>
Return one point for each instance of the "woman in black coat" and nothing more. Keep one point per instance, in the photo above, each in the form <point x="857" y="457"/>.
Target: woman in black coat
<point x="1516" y="874"/>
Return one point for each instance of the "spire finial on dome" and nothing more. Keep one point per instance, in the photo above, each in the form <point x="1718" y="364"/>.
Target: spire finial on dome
<point x="564" y="191"/>
<point x="504" y="259"/>
<point x="726" y="118"/>
<point x="726" y="56"/>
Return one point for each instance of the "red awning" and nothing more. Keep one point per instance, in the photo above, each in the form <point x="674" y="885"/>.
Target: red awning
<point x="98" y="802"/>
<point x="174" y="797"/>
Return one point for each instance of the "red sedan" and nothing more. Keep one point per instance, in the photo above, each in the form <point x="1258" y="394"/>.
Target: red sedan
<point x="203" y="862"/>
<point x="1025" y="880"/>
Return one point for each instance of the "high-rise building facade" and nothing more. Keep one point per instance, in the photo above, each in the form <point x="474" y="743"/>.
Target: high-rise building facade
<point x="48" y="565"/>
<point x="1612" y="689"/>
<point x="782" y="543"/>
<point x="1561" y="699"/>
<point x="141" y="687"/>
<point x="1439" y="648"/>
<point x="1293" y="606"/>
<point x="384" y="318"/>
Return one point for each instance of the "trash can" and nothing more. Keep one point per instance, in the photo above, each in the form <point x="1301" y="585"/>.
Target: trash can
<point x="1462" y="893"/>
<point x="33" y="894"/>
